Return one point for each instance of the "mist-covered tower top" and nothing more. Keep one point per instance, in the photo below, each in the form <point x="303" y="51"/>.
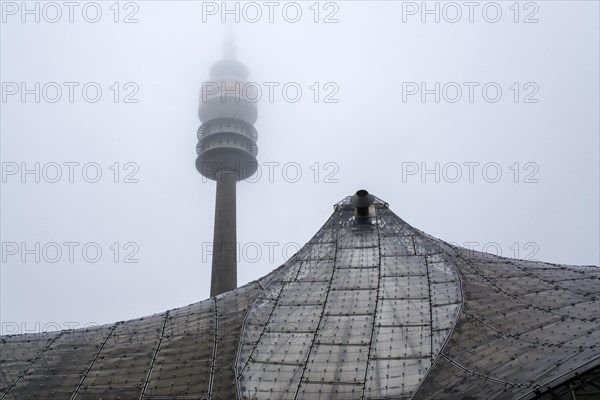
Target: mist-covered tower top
<point x="227" y="137"/>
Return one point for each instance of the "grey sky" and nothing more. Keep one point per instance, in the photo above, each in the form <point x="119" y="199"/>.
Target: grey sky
<point x="371" y="138"/>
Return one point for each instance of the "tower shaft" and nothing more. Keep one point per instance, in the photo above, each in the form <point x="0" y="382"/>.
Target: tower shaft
<point x="224" y="262"/>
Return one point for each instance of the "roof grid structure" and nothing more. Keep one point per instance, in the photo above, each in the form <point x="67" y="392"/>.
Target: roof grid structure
<point x="369" y="308"/>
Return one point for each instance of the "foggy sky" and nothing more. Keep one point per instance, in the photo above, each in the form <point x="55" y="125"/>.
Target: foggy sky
<point x="363" y="130"/>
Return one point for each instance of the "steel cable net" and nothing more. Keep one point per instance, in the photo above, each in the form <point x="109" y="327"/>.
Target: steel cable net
<point x="361" y="312"/>
<point x="370" y="308"/>
<point x="525" y="326"/>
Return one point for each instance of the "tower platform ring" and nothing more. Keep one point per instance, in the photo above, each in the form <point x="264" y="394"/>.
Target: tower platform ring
<point x="237" y="161"/>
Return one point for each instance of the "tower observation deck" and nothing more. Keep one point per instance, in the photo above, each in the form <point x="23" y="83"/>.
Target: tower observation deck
<point x="226" y="154"/>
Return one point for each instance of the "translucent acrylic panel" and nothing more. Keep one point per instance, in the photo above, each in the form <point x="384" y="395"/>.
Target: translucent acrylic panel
<point x="496" y="304"/>
<point x="391" y="225"/>
<point x="302" y="318"/>
<point x="445" y="293"/>
<point x="317" y="251"/>
<point x="284" y="348"/>
<point x="287" y="274"/>
<point x="532" y="365"/>
<point x="324" y="235"/>
<point x="348" y="302"/>
<point x="435" y="258"/>
<point x="442" y="272"/>
<point x="491" y="350"/>
<point x="409" y="287"/>
<point x="444" y="316"/>
<point x="357" y="238"/>
<point x="397" y="246"/>
<point x="566" y="366"/>
<point x="554" y="274"/>
<point x="424" y="247"/>
<point x="259" y="315"/>
<point x="395" y="378"/>
<point x="329" y="391"/>
<point x="312" y="271"/>
<point x="519" y="285"/>
<point x="585" y="287"/>
<point x="18" y="351"/>
<point x="495" y="270"/>
<point x="358" y="258"/>
<point x="552" y="299"/>
<point x="127" y="354"/>
<point x="270" y="381"/>
<point x="478" y="287"/>
<point x="400" y="266"/>
<point x="337" y="363"/>
<point x="470" y="334"/>
<point x="303" y="293"/>
<point x="355" y="278"/>
<point x="439" y="338"/>
<point x="584" y="310"/>
<point x="469" y="386"/>
<point x="402" y="342"/>
<point x="403" y="312"/>
<point x="531" y="265"/>
<point x="182" y="356"/>
<point x="272" y="291"/>
<point x="194" y="319"/>
<point x="350" y="329"/>
<point x="66" y="360"/>
<point x="521" y="321"/>
<point x="563" y="332"/>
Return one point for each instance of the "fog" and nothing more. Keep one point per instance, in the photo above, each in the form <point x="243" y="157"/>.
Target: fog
<point x="477" y="122"/>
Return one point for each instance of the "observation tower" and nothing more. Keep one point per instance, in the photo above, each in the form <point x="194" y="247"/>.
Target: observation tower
<point x="226" y="154"/>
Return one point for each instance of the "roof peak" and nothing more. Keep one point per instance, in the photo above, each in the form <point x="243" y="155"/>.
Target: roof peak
<point x="347" y="201"/>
